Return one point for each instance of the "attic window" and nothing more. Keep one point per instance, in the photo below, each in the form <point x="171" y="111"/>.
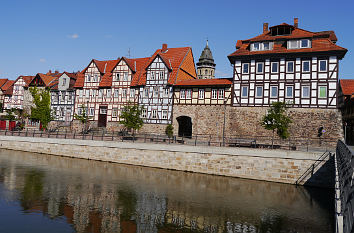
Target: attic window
<point x="299" y="44"/>
<point x="281" y="30"/>
<point x="260" y="46"/>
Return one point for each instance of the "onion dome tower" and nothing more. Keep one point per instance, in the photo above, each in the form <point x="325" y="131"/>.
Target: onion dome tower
<point x="206" y="65"/>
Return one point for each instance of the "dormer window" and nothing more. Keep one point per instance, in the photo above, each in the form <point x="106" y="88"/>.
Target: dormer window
<point x="299" y="44"/>
<point x="260" y="46"/>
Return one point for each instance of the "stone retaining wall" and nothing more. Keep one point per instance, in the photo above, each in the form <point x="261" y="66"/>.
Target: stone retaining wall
<point x="269" y="165"/>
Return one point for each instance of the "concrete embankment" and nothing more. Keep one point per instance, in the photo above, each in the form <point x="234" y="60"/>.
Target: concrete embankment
<point x="269" y="165"/>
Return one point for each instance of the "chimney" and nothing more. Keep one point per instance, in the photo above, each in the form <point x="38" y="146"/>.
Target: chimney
<point x="49" y="72"/>
<point x="164" y="48"/>
<point x="265" y="27"/>
<point x="296" y="22"/>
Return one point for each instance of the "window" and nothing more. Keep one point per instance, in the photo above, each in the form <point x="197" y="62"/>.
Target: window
<point x="114" y="112"/>
<point x="167" y="91"/>
<point x="87" y="93"/>
<point x="116" y="77"/>
<point x="259" y="91"/>
<point x="132" y="93"/>
<point x="143" y="113"/>
<point x="290" y="67"/>
<point x="91" y="112"/>
<point x="201" y="93"/>
<point x="322" y="92"/>
<point x="64" y="81"/>
<point x="93" y="93"/>
<point x="221" y="93"/>
<point x="266" y="46"/>
<point x="154" y="113"/>
<point x="256" y="46"/>
<point x="164" y="114"/>
<point x="55" y="111"/>
<point x="161" y="74"/>
<point x="306" y="66"/>
<point x="261" y="46"/>
<point x="244" y="92"/>
<point x="152" y="75"/>
<point x="88" y="78"/>
<point x="306" y="92"/>
<point x="125" y="78"/>
<point x="80" y="93"/>
<point x="296" y="44"/>
<point x="214" y="94"/>
<point x="156" y="91"/>
<point x="323" y="65"/>
<point x="109" y="93"/>
<point x="289" y="92"/>
<point x="100" y="93"/>
<point x="275" y="67"/>
<point x="103" y="111"/>
<point x="95" y="78"/>
<point x="260" y="67"/>
<point x="183" y="94"/>
<point x="116" y="92"/>
<point x="157" y="75"/>
<point x="146" y="92"/>
<point x="189" y="94"/>
<point x="63" y="96"/>
<point x="70" y="97"/>
<point x="61" y="112"/>
<point x="79" y="111"/>
<point x="206" y="72"/>
<point x="305" y="43"/>
<point x="245" y="68"/>
<point x="124" y="92"/>
<point x="274" y="92"/>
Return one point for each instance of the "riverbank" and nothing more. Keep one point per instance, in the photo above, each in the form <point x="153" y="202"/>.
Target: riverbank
<point x="260" y="164"/>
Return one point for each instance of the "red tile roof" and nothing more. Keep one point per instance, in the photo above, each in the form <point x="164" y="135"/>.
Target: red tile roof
<point x="7" y="87"/>
<point x="321" y="42"/>
<point x="2" y="82"/>
<point x="204" y="82"/>
<point x="347" y="86"/>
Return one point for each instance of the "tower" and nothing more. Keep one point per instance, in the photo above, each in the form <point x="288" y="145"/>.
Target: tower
<point x="206" y="65"/>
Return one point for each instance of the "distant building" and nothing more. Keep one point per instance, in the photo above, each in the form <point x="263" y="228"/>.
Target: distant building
<point x="206" y="65"/>
<point x="346" y="105"/>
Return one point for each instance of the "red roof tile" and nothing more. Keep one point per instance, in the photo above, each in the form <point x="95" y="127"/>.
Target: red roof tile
<point x="204" y="82"/>
<point x="347" y="86"/>
<point x="7" y="87"/>
<point x="321" y="42"/>
<point x="2" y="82"/>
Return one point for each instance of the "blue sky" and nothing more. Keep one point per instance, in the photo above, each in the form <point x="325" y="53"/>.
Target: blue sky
<point x="38" y="35"/>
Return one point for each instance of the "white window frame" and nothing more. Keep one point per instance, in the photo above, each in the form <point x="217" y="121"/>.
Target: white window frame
<point x="256" y="94"/>
<point x="319" y="66"/>
<point x="221" y="94"/>
<point x="162" y="75"/>
<point x="146" y="92"/>
<point x="271" y="67"/>
<point x="164" y="114"/>
<point x="116" y="77"/>
<point x="189" y="94"/>
<point x="182" y="94"/>
<point x="257" y="72"/>
<point x="248" y="68"/>
<point x="124" y="92"/>
<point x="154" y="114"/>
<point x="100" y="93"/>
<point x="125" y="76"/>
<point x="319" y="92"/>
<point x="156" y="91"/>
<point x="271" y="92"/>
<point x="109" y="93"/>
<point x="91" y="111"/>
<point x="201" y="93"/>
<point x="116" y="93"/>
<point x="242" y="93"/>
<point x="114" y="112"/>
<point x="286" y="92"/>
<point x="132" y="93"/>
<point x="303" y="62"/>
<point x="152" y="75"/>
<point x="214" y="94"/>
<point x="308" y="43"/>
<point x="287" y="66"/>
<point x="167" y="92"/>
<point x="302" y="92"/>
<point x="144" y="113"/>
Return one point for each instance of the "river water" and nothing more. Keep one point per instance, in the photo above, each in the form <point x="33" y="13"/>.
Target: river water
<point x="44" y="193"/>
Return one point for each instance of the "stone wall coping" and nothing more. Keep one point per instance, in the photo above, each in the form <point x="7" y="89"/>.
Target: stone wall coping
<point x="249" y="152"/>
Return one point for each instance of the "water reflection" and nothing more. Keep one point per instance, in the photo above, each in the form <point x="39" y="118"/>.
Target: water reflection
<point x="103" y="197"/>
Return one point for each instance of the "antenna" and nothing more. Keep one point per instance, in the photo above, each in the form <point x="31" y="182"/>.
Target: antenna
<point x="128" y="53"/>
<point x="135" y="66"/>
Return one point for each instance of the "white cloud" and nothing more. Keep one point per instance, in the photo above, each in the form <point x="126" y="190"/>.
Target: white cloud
<point x="73" y="36"/>
<point x="42" y="60"/>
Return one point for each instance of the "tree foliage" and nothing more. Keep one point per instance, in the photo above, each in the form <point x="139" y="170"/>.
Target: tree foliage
<point x="131" y="117"/>
<point x="277" y="120"/>
<point x="41" y="111"/>
<point x="10" y="114"/>
<point x="169" y="130"/>
<point x="83" y="117"/>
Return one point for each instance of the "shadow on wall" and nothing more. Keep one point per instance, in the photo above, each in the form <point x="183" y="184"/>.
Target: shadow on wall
<point x="323" y="176"/>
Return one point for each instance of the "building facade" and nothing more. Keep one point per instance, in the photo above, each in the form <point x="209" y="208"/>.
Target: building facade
<point x="15" y="94"/>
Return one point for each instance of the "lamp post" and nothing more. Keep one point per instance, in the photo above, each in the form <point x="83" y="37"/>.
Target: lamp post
<point x="223" y="128"/>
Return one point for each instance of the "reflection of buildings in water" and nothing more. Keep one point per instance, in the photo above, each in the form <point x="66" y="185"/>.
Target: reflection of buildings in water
<point x="150" y="212"/>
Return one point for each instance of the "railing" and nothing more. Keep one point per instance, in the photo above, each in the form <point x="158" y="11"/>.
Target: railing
<point x="303" y="144"/>
<point x="344" y="201"/>
<point x="312" y="169"/>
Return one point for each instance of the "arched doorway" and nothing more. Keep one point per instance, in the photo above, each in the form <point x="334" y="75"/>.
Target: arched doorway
<point x="184" y="126"/>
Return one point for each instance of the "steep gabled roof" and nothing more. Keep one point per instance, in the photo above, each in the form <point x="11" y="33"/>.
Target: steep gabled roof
<point x="7" y="88"/>
<point x="72" y="76"/>
<point x="321" y="42"/>
<point x="174" y="58"/>
<point x="2" y="82"/>
<point x="347" y="86"/>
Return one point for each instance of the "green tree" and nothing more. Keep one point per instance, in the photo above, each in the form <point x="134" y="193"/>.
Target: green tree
<point x="10" y="114"/>
<point x="83" y="118"/>
<point x="169" y="130"/>
<point x="131" y="117"/>
<point x="277" y="120"/>
<point x="41" y="111"/>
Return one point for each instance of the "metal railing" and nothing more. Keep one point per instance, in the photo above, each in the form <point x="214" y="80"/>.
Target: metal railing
<point x="265" y="142"/>
<point x="344" y="201"/>
<point x="312" y="169"/>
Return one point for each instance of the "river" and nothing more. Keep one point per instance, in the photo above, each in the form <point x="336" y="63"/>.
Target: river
<point x="45" y="193"/>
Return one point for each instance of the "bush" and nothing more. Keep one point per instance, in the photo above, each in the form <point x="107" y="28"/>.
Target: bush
<point x="169" y="130"/>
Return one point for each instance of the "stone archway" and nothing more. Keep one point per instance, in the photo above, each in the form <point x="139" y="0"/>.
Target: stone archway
<point x="184" y="126"/>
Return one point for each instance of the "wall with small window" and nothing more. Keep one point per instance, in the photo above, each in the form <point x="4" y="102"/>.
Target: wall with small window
<point x="202" y="95"/>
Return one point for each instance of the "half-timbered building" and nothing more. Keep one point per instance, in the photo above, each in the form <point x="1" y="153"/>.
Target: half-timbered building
<point x="63" y="97"/>
<point x="2" y="96"/>
<point x="164" y="69"/>
<point x="289" y="64"/>
<point x="15" y="94"/>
